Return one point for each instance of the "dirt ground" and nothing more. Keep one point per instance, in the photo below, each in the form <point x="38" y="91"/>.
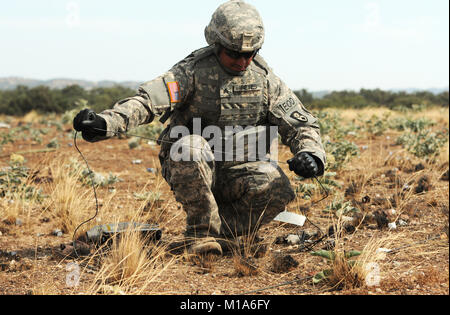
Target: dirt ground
<point x="418" y="263"/>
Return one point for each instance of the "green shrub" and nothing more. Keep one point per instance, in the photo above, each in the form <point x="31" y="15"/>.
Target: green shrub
<point x="424" y="143"/>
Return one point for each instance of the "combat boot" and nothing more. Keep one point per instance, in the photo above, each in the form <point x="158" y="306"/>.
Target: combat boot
<point x="205" y="246"/>
<point x="196" y="246"/>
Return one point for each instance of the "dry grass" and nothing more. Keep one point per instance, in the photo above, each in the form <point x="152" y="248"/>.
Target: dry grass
<point x="32" y="117"/>
<point x="132" y="265"/>
<point x="15" y="209"/>
<point x="68" y="200"/>
<point x="18" y="204"/>
<point x="349" y="269"/>
<point x="353" y="114"/>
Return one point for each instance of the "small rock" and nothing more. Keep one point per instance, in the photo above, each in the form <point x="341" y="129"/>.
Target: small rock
<point x="293" y="239"/>
<point x="283" y="263"/>
<point x="57" y="233"/>
<point x="82" y="249"/>
<point x="381" y="218"/>
<point x="137" y="162"/>
<point x="392" y="211"/>
<point x="19" y="222"/>
<point x="392" y="226"/>
<point x="366" y="199"/>
<point x="12" y="254"/>
<point x="151" y="170"/>
<point x="402" y="222"/>
<point x="423" y="185"/>
<point x="419" y="167"/>
<point x="13" y="265"/>
<point x="280" y="240"/>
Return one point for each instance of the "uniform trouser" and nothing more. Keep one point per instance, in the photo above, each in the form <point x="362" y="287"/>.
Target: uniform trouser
<point x="222" y="198"/>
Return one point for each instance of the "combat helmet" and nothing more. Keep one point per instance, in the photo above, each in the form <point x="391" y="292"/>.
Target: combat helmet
<point x="236" y="25"/>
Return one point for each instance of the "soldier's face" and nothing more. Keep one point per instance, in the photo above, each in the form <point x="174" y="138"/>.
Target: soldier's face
<point x="235" y="62"/>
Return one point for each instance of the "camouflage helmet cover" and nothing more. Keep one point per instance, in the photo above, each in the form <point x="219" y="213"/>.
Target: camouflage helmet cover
<point x="237" y="26"/>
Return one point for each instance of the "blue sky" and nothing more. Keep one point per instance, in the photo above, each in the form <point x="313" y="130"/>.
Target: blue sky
<point x="317" y="45"/>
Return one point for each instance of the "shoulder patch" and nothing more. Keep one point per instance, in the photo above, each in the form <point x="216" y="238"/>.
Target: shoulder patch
<point x="174" y="91"/>
<point x="293" y="112"/>
<point x="297" y="116"/>
<point x="287" y="105"/>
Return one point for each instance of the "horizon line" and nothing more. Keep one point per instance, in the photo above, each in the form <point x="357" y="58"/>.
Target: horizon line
<point x="443" y="87"/>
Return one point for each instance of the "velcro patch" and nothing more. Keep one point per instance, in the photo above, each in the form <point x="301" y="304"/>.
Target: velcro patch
<point x="246" y="88"/>
<point x="287" y="105"/>
<point x="292" y="111"/>
<point x="301" y="118"/>
<point x="174" y="91"/>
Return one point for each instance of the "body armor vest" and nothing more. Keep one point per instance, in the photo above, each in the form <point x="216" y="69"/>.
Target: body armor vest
<point x="221" y="99"/>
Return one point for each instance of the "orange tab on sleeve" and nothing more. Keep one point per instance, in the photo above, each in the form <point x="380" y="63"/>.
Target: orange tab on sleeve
<point x="174" y="91"/>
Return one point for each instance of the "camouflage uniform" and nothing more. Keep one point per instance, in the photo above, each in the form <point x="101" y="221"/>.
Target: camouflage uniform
<point x="221" y="197"/>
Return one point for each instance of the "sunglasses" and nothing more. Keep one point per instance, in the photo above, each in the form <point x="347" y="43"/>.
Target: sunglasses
<point x="237" y="55"/>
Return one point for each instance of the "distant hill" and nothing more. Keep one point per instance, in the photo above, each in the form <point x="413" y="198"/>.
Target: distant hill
<point x="431" y="90"/>
<point x="10" y="83"/>
<point x="436" y="91"/>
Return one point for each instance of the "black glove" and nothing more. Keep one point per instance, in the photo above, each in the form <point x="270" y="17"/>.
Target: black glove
<point x="90" y="124"/>
<point x="304" y="165"/>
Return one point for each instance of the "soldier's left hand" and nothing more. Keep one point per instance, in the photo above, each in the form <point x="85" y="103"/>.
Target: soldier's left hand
<point x="304" y="165"/>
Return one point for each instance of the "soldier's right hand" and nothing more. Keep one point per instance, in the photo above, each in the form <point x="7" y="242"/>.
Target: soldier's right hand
<point x="90" y="124"/>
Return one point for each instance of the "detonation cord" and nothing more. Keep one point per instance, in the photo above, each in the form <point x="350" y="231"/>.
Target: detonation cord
<point x="314" y="203"/>
<point x="161" y="141"/>
<point x="95" y="194"/>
